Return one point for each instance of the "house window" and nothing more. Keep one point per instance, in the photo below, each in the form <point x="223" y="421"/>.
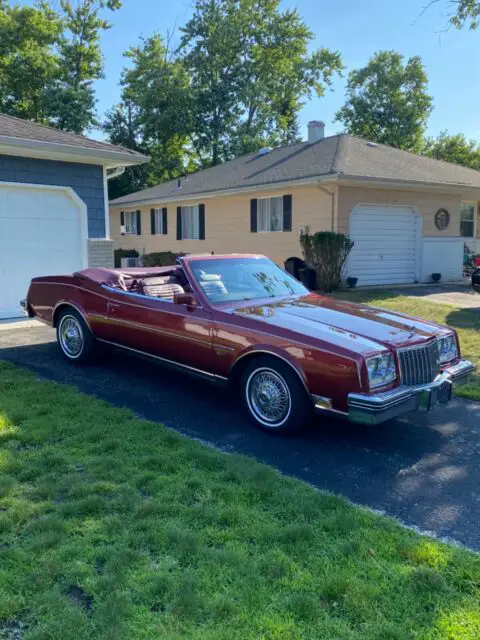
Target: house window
<point x="158" y="221"/>
<point x="130" y="223"/>
<point x="191" y="222"/>
<point x="468" y="213"/>
<point x="270" y="214"/>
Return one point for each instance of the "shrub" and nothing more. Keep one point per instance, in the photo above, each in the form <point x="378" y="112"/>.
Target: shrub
<point x="124" y="253"/>
<point x="160" y="258"/>
<point x="327" y="253"/>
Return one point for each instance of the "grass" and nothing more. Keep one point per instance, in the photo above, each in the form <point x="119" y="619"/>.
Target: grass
<point x="465" y="321"/>
<point x="115" y="528"/>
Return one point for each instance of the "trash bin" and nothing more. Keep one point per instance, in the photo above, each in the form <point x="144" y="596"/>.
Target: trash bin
<point x="293" y="266"/>
<point x="308" y="277"/>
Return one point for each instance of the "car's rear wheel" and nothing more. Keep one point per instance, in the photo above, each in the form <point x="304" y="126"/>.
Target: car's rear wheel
<point x="74" y="337"/>
<point x="274" y="397"/>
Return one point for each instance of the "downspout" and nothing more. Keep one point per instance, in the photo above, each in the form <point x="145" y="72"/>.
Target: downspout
<point x="115" y="172"/>
<point x="331" y="193"/>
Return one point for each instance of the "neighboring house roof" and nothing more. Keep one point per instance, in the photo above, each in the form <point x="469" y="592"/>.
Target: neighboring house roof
<point x="335" y="157"/>
<point x="16" y="133"/>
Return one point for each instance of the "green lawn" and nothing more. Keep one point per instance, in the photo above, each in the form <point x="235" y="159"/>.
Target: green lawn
<point x="115" y="528"/>
<point x="465" y="321"/>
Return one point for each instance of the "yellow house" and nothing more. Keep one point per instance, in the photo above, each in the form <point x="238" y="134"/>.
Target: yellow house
<point x="408" y="215"/>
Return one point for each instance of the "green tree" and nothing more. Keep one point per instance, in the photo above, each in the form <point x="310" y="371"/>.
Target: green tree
<point x="250" y="70"/>
<point x="49" y="60"/>
<point x="456" y="149"/>
<point x="387" y="101"/>
<point x="154" y="116"/>
<point x="466" y="13"/>
<point x="80" y="63"/>
<point x="28" y="59"/>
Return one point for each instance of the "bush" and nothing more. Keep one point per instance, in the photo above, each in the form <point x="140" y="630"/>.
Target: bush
<point x="327" y="253"/>
<point x="124" y="253"/>
<point x="160" y="258"/>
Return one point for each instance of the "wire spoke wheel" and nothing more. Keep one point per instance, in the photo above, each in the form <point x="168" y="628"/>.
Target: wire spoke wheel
<point x="268" y="397"/>
<point x="71" y="336"/>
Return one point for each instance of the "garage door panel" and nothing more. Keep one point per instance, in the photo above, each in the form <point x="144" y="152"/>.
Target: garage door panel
<point x="42" y="232"/>
<point x="385" y="244"/>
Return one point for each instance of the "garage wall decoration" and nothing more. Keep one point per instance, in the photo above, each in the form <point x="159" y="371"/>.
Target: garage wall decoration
<point x="442" y="219"/>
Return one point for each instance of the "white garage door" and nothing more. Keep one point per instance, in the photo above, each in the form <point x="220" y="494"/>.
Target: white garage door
<point x="42" y="232"/>
<point x="386" y="245"/>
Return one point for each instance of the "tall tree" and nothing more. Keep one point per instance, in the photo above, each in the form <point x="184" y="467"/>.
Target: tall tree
<point x="49" y="60"/>
<point x="154" y="116"/>
<point x="28" y="59"/>
<point x="80" y="63"/>
<point x="387" y="101"/>
<point x="250" y="68"/>
<point x="456" y="149"/>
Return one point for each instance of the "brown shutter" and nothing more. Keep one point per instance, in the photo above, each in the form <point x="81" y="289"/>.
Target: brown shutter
<point x="164" y="221"/>
<point x="201" y="222"/>
<point x="139" y="223"/>
<point x="179" y="223"/>
<point x="287" y="213"/>
<point x="253" y="215"/>
<point x="152" y="221"/>
<point x="122" y="222"/>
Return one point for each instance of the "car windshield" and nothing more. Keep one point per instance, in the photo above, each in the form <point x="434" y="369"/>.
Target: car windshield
<point x="244" y="279"/>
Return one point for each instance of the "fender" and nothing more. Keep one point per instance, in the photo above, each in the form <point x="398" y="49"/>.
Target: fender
<point x="260" y="349"/>
<point x="74" y="305"/>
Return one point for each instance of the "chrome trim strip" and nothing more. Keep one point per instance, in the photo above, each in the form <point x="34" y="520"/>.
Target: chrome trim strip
<point x="172" y="363"/>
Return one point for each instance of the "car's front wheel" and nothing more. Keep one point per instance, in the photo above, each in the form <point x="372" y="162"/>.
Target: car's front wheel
<point x="274" y="397"/>
<point x="74" y="337"/>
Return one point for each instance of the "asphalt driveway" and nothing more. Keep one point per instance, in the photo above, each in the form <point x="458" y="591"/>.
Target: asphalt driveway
<point x="424" y="470"/>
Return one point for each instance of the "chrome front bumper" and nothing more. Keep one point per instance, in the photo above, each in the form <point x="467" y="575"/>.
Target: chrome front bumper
<point x="375" y="408"/>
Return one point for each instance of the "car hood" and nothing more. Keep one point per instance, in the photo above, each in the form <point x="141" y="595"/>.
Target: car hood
<point x="357" y="327"/>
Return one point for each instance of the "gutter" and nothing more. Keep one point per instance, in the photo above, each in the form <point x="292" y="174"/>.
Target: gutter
<point x="107" y="157"/>
<point x="272" y="186"/>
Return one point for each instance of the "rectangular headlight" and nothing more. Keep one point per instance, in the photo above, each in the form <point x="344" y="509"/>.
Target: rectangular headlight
<point x="447" y="348"/>
<point x="381" y="370"/>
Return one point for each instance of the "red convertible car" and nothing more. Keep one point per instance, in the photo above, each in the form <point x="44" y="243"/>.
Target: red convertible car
<point x="241" y="320"/>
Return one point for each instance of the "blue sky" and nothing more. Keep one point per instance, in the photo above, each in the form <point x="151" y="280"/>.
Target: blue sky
<point x="356" y="28"/>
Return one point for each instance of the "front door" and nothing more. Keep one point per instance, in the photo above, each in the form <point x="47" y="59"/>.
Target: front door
<point x="161" y="328"/>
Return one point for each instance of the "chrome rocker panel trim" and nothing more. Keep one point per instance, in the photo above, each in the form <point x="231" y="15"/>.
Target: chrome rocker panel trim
<point x="379" y="407"/>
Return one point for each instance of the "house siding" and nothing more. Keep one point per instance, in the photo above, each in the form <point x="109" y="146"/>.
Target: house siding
<point x="85" y="179"/>
<point x="425" y="202"/>
<point x="227" y="225"/>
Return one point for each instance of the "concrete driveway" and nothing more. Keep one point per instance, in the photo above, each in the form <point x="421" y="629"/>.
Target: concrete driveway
<point x="423" y="470"/>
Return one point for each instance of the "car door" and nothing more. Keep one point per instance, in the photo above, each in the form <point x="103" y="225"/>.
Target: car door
<point x="161" y="328"/>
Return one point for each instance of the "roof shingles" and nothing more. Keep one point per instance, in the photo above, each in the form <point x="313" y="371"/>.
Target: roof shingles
<point x="18" y="128"/>
<point x="333" y="156"/>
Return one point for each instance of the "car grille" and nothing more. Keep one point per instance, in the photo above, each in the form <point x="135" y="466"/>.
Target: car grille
<point x="419" y="364"/>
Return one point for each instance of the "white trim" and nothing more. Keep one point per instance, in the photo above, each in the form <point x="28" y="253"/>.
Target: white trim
<point x="10" y="145"/>
<point x="82" y="207"/>
<point x="105" y="204"/>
